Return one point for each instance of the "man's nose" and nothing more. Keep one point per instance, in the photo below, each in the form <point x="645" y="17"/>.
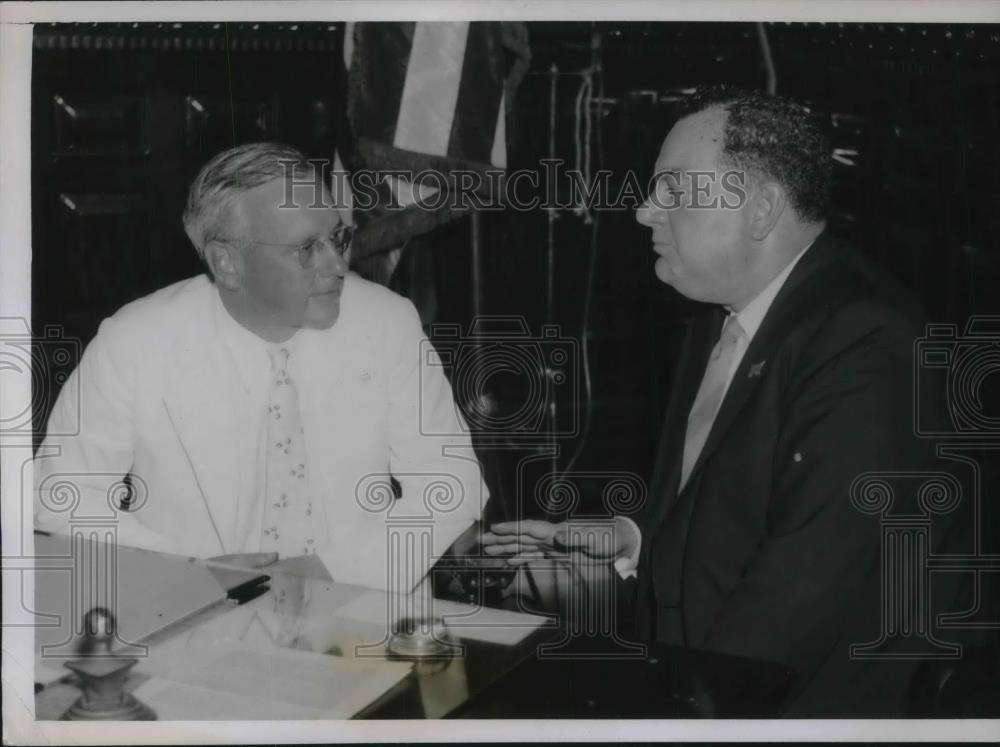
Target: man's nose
<point x="646" y="213"/>
<point x="332" y="262"/>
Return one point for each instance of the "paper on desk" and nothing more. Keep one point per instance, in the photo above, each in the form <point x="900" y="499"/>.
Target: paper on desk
<point x="240" y="681"/>
<point x="465" y="621"/>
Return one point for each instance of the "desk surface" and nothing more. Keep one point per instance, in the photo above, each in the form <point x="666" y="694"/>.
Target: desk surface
<point x="508" y="664"/>
<point x="590" y="680"/>
<point x="299" y="616"/>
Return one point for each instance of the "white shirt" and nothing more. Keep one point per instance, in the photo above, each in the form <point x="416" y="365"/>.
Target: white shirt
<point x="750" y="319"/>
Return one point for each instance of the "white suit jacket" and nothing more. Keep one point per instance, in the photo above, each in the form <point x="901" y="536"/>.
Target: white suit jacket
<point x="158" y="395"/>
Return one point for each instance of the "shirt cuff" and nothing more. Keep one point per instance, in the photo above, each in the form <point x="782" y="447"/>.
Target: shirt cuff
<point x="627" y="567"/>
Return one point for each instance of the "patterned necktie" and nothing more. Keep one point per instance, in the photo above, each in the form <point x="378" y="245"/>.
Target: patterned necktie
<point x="709" y="397"/>
<point x="288" y="522"/>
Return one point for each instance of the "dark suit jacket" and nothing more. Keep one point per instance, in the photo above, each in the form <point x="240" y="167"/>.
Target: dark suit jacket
<point x="762" y="554"/>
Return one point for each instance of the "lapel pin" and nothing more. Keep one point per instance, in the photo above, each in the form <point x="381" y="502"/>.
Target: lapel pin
<point x="756" y="369"/>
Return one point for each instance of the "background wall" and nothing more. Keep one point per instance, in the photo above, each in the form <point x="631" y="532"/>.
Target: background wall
<point x="125" y="114"/>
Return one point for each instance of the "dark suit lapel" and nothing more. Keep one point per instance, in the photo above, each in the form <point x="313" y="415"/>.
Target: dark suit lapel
<point x="703" y="329"/>
<point x="797" y="295"/>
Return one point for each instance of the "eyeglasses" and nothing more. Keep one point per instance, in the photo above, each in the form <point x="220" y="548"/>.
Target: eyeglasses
<point x="340" y="239"/>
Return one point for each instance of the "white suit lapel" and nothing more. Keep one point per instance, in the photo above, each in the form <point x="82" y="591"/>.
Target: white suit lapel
<point x="202" y="397"/>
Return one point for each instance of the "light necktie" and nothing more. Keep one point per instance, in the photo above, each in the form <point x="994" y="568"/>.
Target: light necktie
<point x="288" y="521"/>
<point x="710" y="393"/>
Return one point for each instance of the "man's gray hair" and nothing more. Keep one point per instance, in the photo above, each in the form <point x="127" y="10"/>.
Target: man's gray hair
<point x="225" y="177"/>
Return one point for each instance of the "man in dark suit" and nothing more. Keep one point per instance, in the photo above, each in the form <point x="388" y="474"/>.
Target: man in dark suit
<point x="796" y="378"/>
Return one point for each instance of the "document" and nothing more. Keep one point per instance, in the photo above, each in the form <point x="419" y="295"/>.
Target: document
<point x="236" y="680"/>
<point x="485" y="624"/>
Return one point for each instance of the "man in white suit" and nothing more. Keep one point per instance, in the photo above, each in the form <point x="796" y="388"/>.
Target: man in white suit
<point x="262" y="407"/>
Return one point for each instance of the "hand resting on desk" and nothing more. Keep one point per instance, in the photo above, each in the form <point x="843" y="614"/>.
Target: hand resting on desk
<point x="531" y="539"/>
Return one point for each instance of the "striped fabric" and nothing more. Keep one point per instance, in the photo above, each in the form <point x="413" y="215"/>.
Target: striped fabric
<point x="428" y="96"/>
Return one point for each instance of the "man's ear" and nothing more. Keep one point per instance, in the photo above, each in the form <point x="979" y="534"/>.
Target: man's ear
<point x="226" y="264"/>
<point x="769" y="202"/>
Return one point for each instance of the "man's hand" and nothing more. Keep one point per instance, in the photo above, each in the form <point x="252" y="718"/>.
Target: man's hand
<point x="530" y="539"/>
<point x="246" y="559"/>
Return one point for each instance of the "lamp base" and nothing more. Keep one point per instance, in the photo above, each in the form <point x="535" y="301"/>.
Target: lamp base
<point x="129" y="708"/>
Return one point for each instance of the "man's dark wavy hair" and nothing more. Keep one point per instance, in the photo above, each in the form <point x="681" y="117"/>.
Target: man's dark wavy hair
<point x="774" y="137"/>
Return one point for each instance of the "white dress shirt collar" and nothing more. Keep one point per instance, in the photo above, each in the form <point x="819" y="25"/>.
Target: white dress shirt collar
<point x="752" y="315"/>
<point x="248" y="350"/>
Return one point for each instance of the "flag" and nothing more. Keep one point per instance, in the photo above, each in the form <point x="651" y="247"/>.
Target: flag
<point x="427" y="97"/>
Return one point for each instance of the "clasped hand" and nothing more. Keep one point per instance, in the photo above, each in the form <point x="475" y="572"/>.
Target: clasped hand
<point x="530" y="539"/>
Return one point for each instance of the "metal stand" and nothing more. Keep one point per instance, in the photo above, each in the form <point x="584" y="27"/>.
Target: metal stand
<point x="104" y="697"/>
<point x="102" y="676"/>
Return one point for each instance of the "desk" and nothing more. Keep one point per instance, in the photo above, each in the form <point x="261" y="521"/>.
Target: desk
<point x="299" y="615"/>
<point x="664" y="682"/>
<point x="498" y="672"/>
